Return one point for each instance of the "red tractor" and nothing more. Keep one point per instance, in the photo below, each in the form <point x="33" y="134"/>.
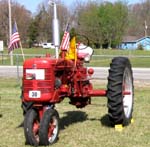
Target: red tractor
<point x="47" y="81"/>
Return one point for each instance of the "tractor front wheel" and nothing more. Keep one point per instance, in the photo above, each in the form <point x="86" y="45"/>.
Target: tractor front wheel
<point x="120" y="91"/>
<point x="31" y="127"/>
<point x="49" y="127"/>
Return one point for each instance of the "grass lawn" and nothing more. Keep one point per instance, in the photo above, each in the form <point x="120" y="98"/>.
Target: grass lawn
<point x="87" y="127"/>
<point x="99" y="61"/>
<point x="138" y="58"/>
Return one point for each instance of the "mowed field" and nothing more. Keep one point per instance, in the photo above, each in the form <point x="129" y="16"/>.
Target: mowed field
<point x="100" y="58"/>
<point x="87" y="127"/>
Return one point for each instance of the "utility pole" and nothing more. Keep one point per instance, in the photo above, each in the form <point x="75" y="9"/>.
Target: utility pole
<point x="146" y="27"/>
<point x="10" y="30"/>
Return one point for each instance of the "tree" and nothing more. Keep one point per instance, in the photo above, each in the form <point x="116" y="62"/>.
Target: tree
<point x="113" y="21"/>
<point x="88" y="22"/>
<point x="138" y="14"/>
<point x="44" y="23"/>
<point x="103" y="23"/>
<point x="19" y="14"/>
<point x="32" y="33"/>
<point x="4" y="30"/>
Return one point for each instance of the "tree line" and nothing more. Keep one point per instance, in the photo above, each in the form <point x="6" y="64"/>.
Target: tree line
<point x="104" y="23"/>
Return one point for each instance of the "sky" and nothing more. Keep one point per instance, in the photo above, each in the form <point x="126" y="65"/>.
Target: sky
<point x="32" y="5"/>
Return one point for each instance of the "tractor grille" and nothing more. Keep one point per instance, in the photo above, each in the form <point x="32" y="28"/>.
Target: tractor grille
<point x="45" y="86"/>
<point x="32" y="83"/>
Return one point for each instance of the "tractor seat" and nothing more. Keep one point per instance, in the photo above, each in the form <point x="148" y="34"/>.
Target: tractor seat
<point x="84" y="52"/>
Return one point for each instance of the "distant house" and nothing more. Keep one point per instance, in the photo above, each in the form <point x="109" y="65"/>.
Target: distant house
<point x="133" y="43"/>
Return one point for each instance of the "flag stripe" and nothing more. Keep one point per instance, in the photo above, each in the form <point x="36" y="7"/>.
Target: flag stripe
<point x="65" y="40"/>
<point x="14" y="40"/>
<point x="16" y="36"/>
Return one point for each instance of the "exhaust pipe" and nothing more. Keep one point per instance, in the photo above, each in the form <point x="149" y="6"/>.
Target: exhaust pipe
<point x="55" y="28"/>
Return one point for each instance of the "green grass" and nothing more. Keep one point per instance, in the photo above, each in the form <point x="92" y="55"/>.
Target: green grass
<point x="98" y="61"/>
<point x="105" y="61"/>
<point x="107" y="55"/>
<point x="120" y="52"/>
<point x="87" y="127"/>
<point x="29" y="53"/>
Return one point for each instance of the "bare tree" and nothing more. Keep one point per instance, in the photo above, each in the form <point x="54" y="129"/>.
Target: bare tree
<point x="44" y="17"/>
<point x="19" y="14"/>
<point x="138" y="14"/>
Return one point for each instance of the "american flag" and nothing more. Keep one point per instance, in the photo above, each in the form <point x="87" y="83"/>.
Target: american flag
<point x="65" y="40"/>
<point x="14" y="40"/>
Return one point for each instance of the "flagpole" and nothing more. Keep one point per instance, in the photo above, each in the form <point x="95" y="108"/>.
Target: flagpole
<point x="10" y="30"/>
<point x="22" y="51"/>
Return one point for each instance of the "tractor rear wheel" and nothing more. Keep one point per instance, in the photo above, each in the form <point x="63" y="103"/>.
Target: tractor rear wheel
<point x="31" y="127"/>
<point x="120" y="91"/>
<point x="49" y="128"/>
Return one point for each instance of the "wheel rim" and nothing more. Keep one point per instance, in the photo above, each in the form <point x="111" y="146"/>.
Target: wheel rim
<point x="127" y="93"/>
<point x="53" y="129"/>
<point x="35" y="129"/>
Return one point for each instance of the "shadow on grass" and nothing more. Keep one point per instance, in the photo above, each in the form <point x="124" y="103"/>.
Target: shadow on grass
<point x="105" y="121"/>
<point x="71" y="118"/>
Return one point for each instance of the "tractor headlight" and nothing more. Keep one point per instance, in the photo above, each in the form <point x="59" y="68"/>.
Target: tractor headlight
<point x="37" y="74"/>
<point x="30" y="76"/>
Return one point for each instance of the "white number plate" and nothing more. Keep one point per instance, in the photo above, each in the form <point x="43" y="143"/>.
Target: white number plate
<point x="34" y="94"/>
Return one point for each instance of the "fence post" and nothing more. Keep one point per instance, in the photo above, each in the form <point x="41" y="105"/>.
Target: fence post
<point x="17" y="63"/>
<point x="0" y="108"/>
<point x="2" y="56"/>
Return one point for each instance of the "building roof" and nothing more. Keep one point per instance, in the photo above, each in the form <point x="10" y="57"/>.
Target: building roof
<point x="130" y="39"/>
<point x="133" y="39"/>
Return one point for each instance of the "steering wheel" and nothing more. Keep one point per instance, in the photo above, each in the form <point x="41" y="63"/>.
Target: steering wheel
<point x="82" y="39"/>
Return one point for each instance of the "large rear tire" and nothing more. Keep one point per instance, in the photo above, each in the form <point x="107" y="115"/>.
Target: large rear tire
<point x="49" y="128"/>
<point x="31" y="127"/>
<point x="120" y="91"/>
